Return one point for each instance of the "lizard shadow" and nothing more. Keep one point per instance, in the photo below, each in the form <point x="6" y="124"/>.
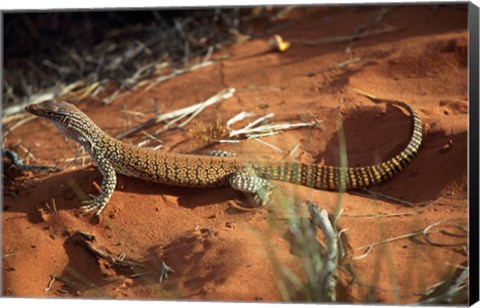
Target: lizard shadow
<point x="190" y="256"/>
<point x="194" y="271"/>
<point x="68" y="189"/>
<point x="373" y="136"/>
<point x="189" y="197"/>
<point x="55" y="192"/>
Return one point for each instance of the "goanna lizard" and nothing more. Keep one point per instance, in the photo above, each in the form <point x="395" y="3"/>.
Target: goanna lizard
<point x="250" y="176"/>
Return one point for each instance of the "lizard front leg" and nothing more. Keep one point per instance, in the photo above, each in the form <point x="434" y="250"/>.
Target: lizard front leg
<point x="109" y="182"/>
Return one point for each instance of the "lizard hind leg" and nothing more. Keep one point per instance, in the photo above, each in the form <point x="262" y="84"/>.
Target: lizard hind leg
<point x="248" y="182"/>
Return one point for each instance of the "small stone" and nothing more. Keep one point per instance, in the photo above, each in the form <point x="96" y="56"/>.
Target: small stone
<point x="426" y="128"/>
<point x="127" y="282"/>
<point x="447" y="146"/>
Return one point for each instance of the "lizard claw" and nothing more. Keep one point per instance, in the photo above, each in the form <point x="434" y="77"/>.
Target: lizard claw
<point x="262" y="197"/>
<point x="94" y="204"/>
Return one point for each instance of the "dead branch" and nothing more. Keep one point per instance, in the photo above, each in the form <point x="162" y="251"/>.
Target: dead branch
<point x="328" y="278"/>
<point x="88" y="241"/>
<point x="17" y="161"/>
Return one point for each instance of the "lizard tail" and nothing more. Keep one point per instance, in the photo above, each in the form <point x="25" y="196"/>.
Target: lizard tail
<point x="334" y="178"/>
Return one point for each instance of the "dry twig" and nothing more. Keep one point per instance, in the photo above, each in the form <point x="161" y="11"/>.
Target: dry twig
<point x="17" y="161"/>
<point x="348" y="38"/>
<point x="328" y="277"/>
<point x="331" y="68"/>
<point x="423" y="206"/>
<point x="88" y="241"/>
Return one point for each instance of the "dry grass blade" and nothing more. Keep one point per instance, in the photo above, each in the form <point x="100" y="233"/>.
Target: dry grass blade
<point x="259" y="120"/>
<point x="380" y="196"/>
<point x="160" y="142"/>
<point x="20" y="107"/>
<point x="50" y="283"/>
<point x="73" y="159"/>
<point x="370" y="247"/>
<point x="423" y="206"/>
<point x="269" y="145"/>
<point x="336" y="218"/>
<point x="239" y="117"/>
<point x="69" y="88"/>
<point x="81" y="93"/>
<point x="292" y="152"/>
<point x="364" y="28"/>
<point x="8" y="129"/>
<point x="424" y="232"/>
<point x="253" y="132"/>
<point x="142" y="72"/>
<point x="10" y="254"/>
<point x="283" y="12"/>
<point x="336" y="66"/>
<point x="53" y="208"/>
<point x="165" y="269"/>
<point x="348" y="38"/>
<point x="375" y="99"/>
<point x="450" y="291"/>
<point x="427" y="231"/>
<point x="176" y="73"/>
<point x="180" y="113"/>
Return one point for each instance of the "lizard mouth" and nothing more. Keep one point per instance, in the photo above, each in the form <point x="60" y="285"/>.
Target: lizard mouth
<point x="34" y="109"/>
<point x="30" y="108"/>
<point x="41" y="109"/>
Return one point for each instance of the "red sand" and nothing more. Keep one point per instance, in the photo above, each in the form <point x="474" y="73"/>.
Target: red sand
<point x="219" y="248"/>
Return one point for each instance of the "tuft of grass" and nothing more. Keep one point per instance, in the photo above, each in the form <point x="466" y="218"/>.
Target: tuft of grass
<point x="207" y="133"/>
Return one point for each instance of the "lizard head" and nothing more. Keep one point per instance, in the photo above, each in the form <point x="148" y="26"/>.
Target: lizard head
<point x="59" y="112"/>
<point x="68" y="118"/>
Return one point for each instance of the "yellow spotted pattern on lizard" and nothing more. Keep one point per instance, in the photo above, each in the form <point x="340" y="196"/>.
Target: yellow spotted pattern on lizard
<point x="247" y="175"/>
